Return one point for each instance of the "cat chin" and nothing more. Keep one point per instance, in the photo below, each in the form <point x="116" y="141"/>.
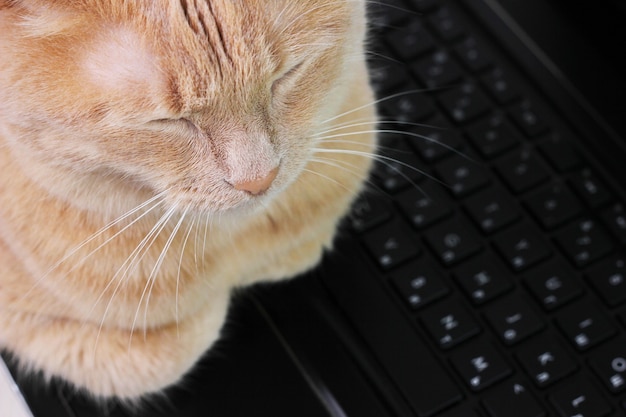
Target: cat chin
<point x="229" y="205"/>
<point x="239" y="213"/>
<point x="228" y="218"/>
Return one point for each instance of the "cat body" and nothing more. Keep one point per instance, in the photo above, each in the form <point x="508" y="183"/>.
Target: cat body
<point x="157" y="154"/>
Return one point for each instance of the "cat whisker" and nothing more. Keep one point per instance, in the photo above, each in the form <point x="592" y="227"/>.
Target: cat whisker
<point x="118" y="233"/>
<point x="348" y="125"/>
<point x="395" y="169"/>
<point x="206" y="227"/>
<point x="401" y="132"/>
<point x="373" y="17"/>
<point x="97" y="235"/>
<point x="137" y="257"/>
<point x="197" y="240"/>
<point x="379" y="55"/>
<point x="316" y="44"/>
<point x="282" y="12"/>
<point x="353" y="142"/>
<point x="326" y="177"/>
<point x="343" y="165"/>
<point x="109" y="226"/>
<point x="157" y="267"/>
<point x="382" y="3"/>
<point x="365" y="145"/>
<point x="388" y="162"/>
<point x="128" y="266"/>
<point x="191" y="226"/>
<point x="376" y="102"/>
<point x="344" y="126"/>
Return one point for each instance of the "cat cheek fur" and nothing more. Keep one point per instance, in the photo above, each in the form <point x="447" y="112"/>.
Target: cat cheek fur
<point x="125" y="305"/>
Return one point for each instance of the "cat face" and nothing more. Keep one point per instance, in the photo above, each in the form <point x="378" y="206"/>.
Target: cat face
<point x="215" y="104"/>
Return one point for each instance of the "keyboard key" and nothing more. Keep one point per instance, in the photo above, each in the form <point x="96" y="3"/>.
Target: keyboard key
<point x="438" y="143"/>
<point x="464" y="103"/>
<point x="512" y="399"/>
<point x="584" y="242"/>
<point x="482" y="279"/>
<point x="591" y="189"/>
<point x="522" y="170"/>
<point x="391" y="245"/>
<point x="493" y="135"/>
<point x="387" y="76"/>
<point x="558" y="151"/>
<point x="554" y="205"/>
<point x="437" y="69"/>
<point x="473" y="54"/>
<point x="608" y="278"/>
<point x="580" y="399"/>
<point x="480" y="365"/>
<point x="448" y="323"/>
<point x="584" y="325"/>
<point x="501" y="85"/>
<point x="545" y="360"/>
<point x="615" y="219"/>
<point x="609" y="363"/>
<point x="418" y="374"/>
<point x="418" y="284"/>
<point x="397" y="167"/>
<point x="368" y="211"/>
<point x="522" y="246"/>
<point x="406" y="108"/>
<point x="528" y="119"/>
<point x="552" y="284"/>
<point x="447" y="23"/>
<point x="453" y="241"/>
<point x="425" y="205"/>
<point x="462" y="175"/>
<point x="491" y="209"/>
<point x="435" y="139"/>
<point x="410" y="40"/>
<point x="513" y="319"/>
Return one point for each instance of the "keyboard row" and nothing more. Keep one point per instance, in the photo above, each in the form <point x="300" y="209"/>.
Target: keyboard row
<point x="481" y="223"/>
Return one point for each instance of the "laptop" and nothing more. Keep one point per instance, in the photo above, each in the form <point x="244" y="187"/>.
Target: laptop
<point x="483" y="272"/>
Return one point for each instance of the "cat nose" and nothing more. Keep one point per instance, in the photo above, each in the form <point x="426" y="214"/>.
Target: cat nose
<point x="258" y="185"/>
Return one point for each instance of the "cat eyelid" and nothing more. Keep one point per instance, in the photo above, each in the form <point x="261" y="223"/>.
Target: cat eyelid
<point x="286" y="76"/>
<point x="293" y="69"/>
<point x="174" y="120"/>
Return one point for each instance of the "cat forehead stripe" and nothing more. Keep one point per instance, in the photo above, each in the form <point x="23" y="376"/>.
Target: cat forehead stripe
<point x="202" y="19"/>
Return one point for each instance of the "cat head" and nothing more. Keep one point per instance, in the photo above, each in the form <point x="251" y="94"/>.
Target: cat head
<point x="215" y="104"/>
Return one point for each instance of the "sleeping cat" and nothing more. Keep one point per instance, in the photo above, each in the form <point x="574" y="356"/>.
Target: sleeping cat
<point x="157" y="154"/>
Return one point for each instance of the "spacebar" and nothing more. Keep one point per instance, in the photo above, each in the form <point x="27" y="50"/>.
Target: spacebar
<point x="411" y="366"/>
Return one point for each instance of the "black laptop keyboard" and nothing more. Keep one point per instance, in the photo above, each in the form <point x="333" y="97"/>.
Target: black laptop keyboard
<point x="496" y="240"/>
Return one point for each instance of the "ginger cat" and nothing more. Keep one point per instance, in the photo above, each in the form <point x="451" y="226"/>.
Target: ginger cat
<point x="157" y="154"/>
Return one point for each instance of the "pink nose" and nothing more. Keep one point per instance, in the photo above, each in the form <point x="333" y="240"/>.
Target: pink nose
<point x="258" y="185"/>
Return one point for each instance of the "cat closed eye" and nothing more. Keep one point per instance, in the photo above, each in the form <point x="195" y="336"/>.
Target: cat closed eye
<point x="289" y="75"/>
<point x="173" y="121"/>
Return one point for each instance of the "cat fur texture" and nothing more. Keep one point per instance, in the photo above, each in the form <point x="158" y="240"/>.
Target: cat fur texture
<point x="157" y="154"/>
